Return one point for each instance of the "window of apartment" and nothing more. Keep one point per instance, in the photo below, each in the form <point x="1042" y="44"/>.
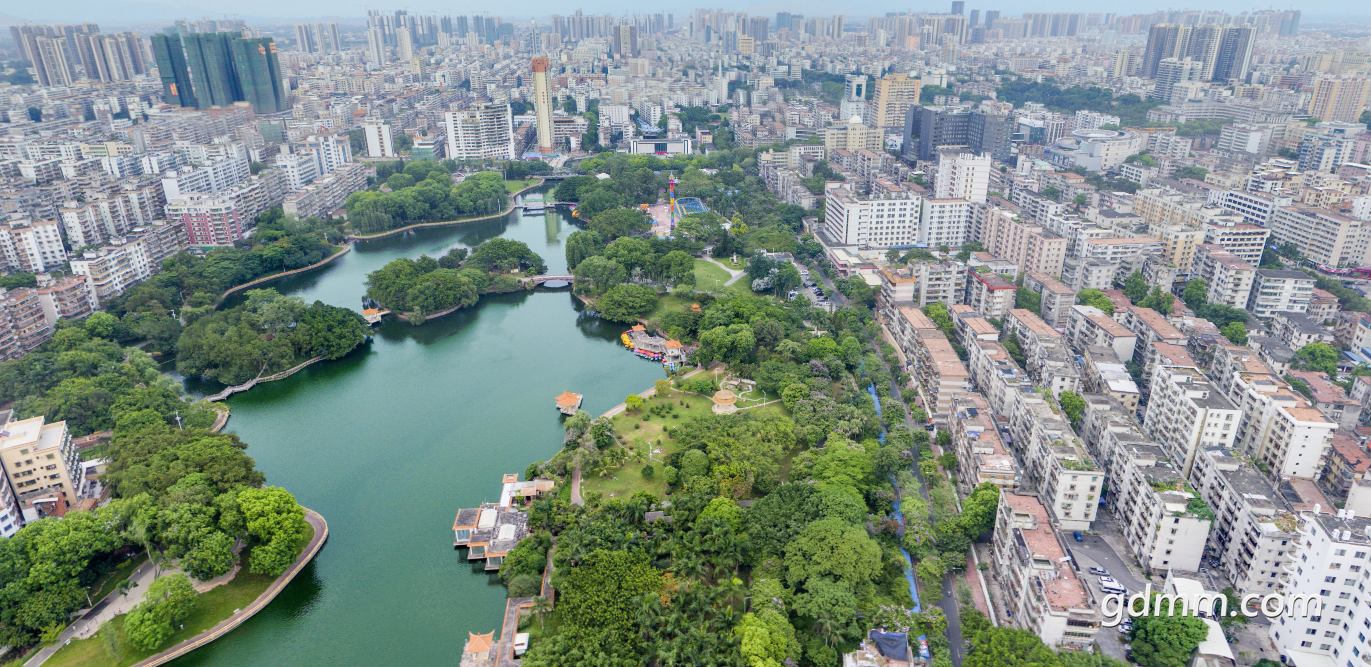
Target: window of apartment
<point x="1330" y="580"/>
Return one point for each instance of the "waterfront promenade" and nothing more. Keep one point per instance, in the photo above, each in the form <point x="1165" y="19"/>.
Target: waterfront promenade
<point x="115" y="603"/>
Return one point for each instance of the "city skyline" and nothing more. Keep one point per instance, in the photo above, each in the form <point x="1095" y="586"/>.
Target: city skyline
<point x="133" y="13"/>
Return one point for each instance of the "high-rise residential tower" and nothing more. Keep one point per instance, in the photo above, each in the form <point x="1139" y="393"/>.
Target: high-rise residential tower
<point x="210" y="57"/>
<point x="542" y="105"/>
<point x="258" y="71"/>
<point x="172" y="70"/>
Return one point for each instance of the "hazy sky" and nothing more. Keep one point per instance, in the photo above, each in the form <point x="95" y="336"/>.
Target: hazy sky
<point x="118" y="12"/>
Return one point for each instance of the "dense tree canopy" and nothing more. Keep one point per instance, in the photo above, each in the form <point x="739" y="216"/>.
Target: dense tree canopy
<point x="266" y="334"/>
<point x="431" y="197"/>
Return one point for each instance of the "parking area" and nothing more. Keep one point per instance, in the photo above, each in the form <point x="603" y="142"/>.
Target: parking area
<point x="1094" y="551"/>
<point x="808" y="287"/>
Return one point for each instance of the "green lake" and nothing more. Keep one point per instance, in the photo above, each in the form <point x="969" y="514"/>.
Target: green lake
<point x="389" y="442"/>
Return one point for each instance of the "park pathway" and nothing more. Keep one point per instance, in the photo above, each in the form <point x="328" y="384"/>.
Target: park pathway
<point x="115" y="604"/>
<point x="734" y="274"/>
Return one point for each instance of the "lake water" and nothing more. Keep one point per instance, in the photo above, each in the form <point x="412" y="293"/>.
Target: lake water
<point x="389" y="442"/>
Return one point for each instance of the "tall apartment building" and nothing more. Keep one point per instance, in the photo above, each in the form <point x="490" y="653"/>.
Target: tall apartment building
<point x="944" y="222"/>
<point x="1331" y="399"/>
<point x="42" y="467"/>
<point x="1254" y="530"/>
<point x="1165" y="523"/>
<point x="1088" y="325"/>
<point x="22" y="324"/>
<point x="1043" y="594"/>
<point x="990" y="294"/>
<point x="220" y="219"/>
<point x="297" y="170"/>
<point x="1188" y="414"/>
<point x="962" y="176"/>
<point x="919" y="284"/>
<point x="1228" y="277"/>
<point x="259" y="75"/>
<point x="853" y="135"/>
<point x="380" y="143"/>
<point x="1339" y="99"/>
<point x="211" y="176"/>
<point x="979" y="450"/>
<point x="1106" y="375"/>
<point x="1279" y="428"/>
<point x="1280" y="291"/>
<point x="1244" y="138"/>
<point x="173" y="70"/>
<point x="1224" y="52"/>
<point x="1065" y="476"/>
<point x="481" y="132"/>
<point x="33" y="246"/>
<point x="1032" y="247"/>
<point x="1330" y="552"/>
<point x="69" y="298"/>
<point x="894" y="94"/>
<point x="128" y="260"/>
<point x="542" y="105"/>
<point x="326" y="194"/>
<point x="1150" y="326"/>
<point x="330" y="152"/>
<point x="850" y="219"/>
<point x="1176" y="77"/>
<point x="1243" y="239"/>
<point x="1055" y="298"/>
<point x="926" y="129"/>
<point x="940" y="372"/>
<point x="1047" y="357"/>
<point x="1323" y="236"/>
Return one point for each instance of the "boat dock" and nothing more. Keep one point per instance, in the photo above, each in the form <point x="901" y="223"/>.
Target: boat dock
<point x="492" y="530"/>
<point x="670" y="352"/>
<point x="373" y="315"/>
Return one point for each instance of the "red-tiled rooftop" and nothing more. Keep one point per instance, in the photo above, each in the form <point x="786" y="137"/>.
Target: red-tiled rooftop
<point x="1355" y="455"/>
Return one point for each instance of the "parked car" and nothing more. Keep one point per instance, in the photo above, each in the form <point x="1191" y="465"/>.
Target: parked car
<point x="1108" y="581"/>
<point x="1077" y="535"/>
<point x="1100" y="571"/>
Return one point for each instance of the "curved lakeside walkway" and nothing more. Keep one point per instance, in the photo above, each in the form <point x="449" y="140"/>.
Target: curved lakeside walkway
<point x="316" y="521"/>
<point x="445" y="223"/>
<point x="225" y="626"/>
<point x="228" y="292"/>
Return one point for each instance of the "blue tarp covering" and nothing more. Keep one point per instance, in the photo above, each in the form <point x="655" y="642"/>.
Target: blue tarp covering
<point x="892" y="645"/>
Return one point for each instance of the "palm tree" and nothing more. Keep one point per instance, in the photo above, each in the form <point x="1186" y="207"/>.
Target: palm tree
<point x="828" y="628"/>
<point x="140" y="529"/>
<point x="541" y="606"/>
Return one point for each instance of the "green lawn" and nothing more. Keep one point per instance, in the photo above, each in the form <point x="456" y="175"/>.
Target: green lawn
<point x="643" y="436"/>
<point x="709" y="276"/>
<point x="210" y="608"/>
<point x="668" y="304"/>
<point x="515" y="186"/>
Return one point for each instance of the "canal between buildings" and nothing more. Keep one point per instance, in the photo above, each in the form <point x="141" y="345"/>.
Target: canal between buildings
<point x="390" y="441"/>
